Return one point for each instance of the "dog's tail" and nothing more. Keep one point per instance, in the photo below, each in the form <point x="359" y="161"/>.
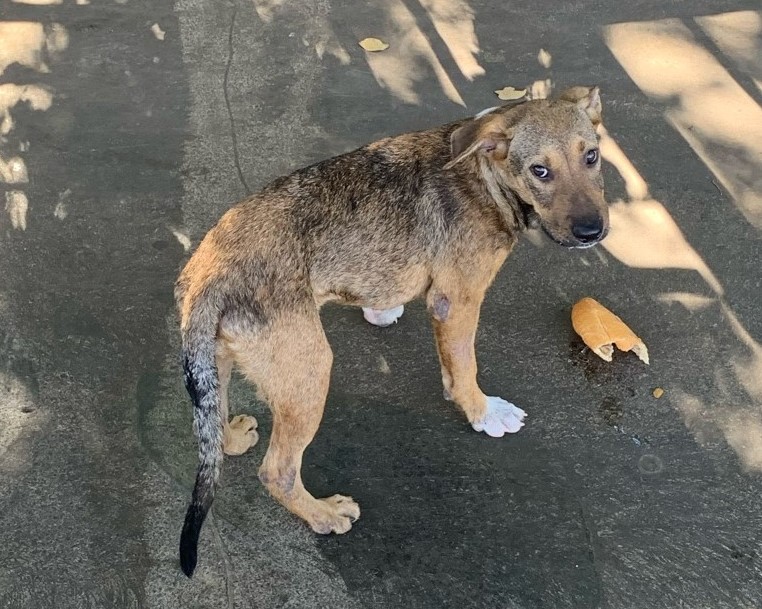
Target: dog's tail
<point x="199" y="330"/>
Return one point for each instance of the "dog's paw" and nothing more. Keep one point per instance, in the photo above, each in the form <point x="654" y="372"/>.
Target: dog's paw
<point x="239" y="435"/>
<point x="335" y="515"/>
<point x="383" y="317"/>
<point x="502" y="417"/>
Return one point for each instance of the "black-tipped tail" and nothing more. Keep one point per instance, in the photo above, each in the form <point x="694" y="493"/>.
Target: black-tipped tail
<point x="202" y="384"/>
<point x="194" y="518"/>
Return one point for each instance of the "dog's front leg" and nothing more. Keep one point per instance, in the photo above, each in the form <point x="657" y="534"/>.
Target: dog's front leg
<point x="455" y="318"/>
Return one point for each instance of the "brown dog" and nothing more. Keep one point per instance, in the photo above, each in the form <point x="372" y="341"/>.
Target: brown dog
<point x="432" y="213"/>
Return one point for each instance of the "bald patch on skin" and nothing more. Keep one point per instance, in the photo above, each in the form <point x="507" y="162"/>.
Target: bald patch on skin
<point x="440" y="307"/>
<point x="284" y="482"/>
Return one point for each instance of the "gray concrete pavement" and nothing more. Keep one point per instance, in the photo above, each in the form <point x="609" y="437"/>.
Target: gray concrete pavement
<point x="133" y="146"/>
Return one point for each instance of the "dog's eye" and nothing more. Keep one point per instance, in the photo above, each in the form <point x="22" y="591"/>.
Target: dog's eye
<point x="591" y="156"/>
<point x="541" y="172"/>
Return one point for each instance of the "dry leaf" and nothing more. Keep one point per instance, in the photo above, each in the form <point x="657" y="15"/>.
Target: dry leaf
<point x="600" y="329"/>
<point x="157" y="31"/>
<point x="508" y="93"/>
<point x="373" y="44"/>
<point x="658" y="392"/>
<point x="544" y="58"/>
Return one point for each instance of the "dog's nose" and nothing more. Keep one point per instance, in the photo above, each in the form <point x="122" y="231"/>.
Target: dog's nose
<point x="588" y="229"/>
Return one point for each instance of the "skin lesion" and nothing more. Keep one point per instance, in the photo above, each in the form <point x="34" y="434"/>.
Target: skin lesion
<point x="284" y="481"/>
<point x="440" y="307"/>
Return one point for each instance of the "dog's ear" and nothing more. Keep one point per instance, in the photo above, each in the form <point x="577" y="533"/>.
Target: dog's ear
<point x="587" y="99"/>
<point x="487" y="136"/>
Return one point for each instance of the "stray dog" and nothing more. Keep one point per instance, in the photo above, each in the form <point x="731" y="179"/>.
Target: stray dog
<point x="429" y="214"/>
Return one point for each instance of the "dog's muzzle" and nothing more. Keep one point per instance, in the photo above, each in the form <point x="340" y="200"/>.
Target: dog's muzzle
<point x="588" y="231"/>
<point x="577" y="243"/>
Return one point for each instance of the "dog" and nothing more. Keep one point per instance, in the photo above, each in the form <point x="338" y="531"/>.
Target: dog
<point x="430" y="214"/>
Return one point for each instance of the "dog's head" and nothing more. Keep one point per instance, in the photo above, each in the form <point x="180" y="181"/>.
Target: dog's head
<point x="545" y="153"/>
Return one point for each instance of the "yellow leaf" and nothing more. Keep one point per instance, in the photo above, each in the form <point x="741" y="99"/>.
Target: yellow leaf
<point x="373" y="44"/>
<point x="658" y="392"/>
<point x="507" y="93"/>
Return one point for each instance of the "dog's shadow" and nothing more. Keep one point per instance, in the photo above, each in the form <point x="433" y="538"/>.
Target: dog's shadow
<point x="451" y="518"/>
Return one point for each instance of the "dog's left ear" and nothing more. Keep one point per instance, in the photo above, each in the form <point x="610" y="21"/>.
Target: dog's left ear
<point x="487" y="136"/>
<point x="587" y="99"/>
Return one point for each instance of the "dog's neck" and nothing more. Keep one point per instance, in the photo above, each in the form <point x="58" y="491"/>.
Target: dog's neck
<point x="516" y="213"/>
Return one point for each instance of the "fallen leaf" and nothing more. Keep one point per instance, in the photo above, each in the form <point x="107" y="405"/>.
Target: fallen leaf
<point x="508" y="93"/>
<point x="658" y="392"/>
<point x="157" y="31"/>
<point x="544" y="58"/>
<point x="600" y="329"/>
<point x="182" y="239"/>
<point x="373" y="45"/>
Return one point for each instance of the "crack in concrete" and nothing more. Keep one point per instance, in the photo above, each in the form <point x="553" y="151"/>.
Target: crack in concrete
<point x="590" y="534"/>
<point x="233" y="135"/>
<point x="225" y="561"/>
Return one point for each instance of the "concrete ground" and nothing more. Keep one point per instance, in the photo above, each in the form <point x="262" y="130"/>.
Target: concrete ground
<point x="122" y="145"/>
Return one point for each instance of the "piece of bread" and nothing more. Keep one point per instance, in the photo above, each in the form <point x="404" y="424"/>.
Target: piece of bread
<point x="600" y="330"/>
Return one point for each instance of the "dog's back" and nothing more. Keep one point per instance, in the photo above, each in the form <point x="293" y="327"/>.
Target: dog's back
<point x="320" y="232"/>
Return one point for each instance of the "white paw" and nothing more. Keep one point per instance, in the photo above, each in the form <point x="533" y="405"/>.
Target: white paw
<point x="502" y="417"/>
<point x="383" y="317"/>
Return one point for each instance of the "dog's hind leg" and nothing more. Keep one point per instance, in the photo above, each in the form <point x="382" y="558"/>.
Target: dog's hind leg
<point x="291" y="364"/>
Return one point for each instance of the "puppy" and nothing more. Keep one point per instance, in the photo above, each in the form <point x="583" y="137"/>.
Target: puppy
<point x="431" y="214"/>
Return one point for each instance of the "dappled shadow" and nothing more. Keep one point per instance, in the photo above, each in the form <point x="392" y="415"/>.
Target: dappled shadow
<point x="718" y="118"/>
<point x="412" y="56"/>
<point x="28" y="46"/>
<point x="89" y="144"/>
<point x="27" y="49"/>
<point x="738" y="36"/>
<point x="723" y="124"/>
<point x="427" y="38"/>
<point x="644" y="235"/>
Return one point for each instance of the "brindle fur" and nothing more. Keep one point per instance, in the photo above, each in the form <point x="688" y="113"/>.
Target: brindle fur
<point x="430" y="214"/>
